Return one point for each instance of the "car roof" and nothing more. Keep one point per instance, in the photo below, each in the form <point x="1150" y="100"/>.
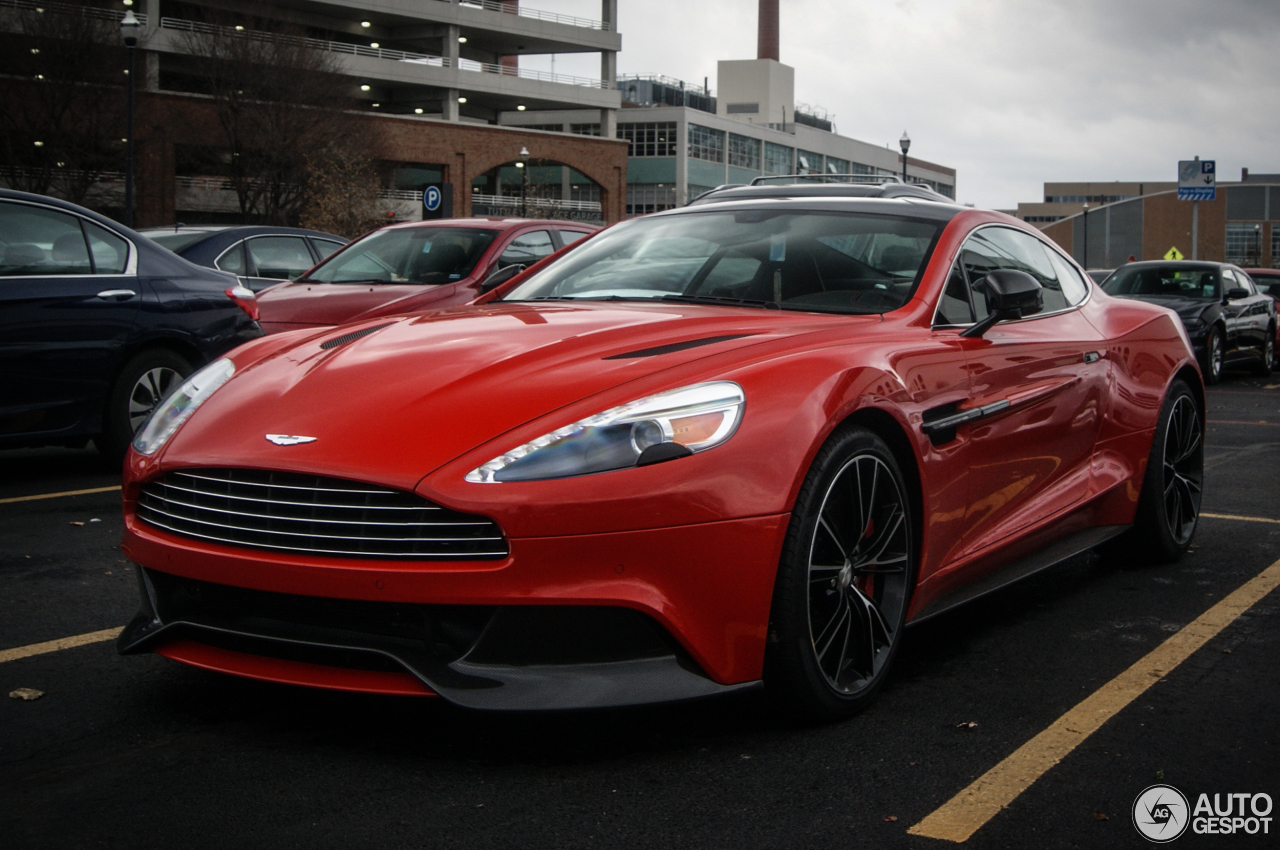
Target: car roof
<point x="491" y="223"/>
<point x="242" y="230"/>
<point x="1177" y="264"/>
<point x="762" y="190"/>
<point x="910" y="207"/>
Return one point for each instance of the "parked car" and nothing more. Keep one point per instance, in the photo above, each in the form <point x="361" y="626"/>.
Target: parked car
<point x="1099" y="275"/>
<point x="412" y="266"/>
<point x="614" y="481"/>
<point x="260" y="256"/>
<point x="98" y="325"/>
<point x="1228" y="320"/>
<point x="1268" y="281"/>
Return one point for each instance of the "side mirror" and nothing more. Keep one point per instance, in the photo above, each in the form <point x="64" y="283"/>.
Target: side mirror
<point x="1236" y="294"/>
<point x="500" y="277"/>
<point x="1013" y="294"/>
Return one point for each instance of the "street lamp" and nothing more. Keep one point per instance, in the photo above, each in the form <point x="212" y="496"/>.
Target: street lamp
<point x="523" y="165"/>
<point x="1257" y="244"/>
<point x="905" y="144"/>
<point x="1085" y="263"/>
<point x="129" y="28"/>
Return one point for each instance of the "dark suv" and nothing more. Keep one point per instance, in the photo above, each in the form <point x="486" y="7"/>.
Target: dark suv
<point x="98" y="325"/>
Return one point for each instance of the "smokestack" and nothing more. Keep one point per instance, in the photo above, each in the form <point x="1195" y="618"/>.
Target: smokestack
<point x="767" y="42"/>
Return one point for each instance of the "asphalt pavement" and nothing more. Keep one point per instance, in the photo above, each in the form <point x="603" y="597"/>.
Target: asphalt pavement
<point x="141" y="752"/>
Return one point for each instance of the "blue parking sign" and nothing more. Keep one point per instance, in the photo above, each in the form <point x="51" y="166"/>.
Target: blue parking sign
<point x="431" y="198"/>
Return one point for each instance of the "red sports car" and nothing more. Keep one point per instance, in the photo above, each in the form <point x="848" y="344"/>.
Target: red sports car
<point x="740" y="443"/>
<point x="421" y="265"/>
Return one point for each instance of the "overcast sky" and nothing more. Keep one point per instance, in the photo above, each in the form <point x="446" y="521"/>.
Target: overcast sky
<point x="1010" y="93"/>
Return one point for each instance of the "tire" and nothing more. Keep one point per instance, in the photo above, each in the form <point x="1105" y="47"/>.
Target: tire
<point x="1169" y="507"/>
<point x="1267" y="360"/>
<point x="845" y="578"/>
<point x="142" y="384"/>
<point x="1214" y="350"/>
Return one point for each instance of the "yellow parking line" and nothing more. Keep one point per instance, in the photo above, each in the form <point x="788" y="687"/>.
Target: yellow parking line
<point x="59" y="495"/>
<point x="55" y="645"/>
<point x="965" y="813"/>
<point x="1241" y="518"/>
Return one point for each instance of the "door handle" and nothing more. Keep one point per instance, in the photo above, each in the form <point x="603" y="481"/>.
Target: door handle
<point x="116" y="294"/>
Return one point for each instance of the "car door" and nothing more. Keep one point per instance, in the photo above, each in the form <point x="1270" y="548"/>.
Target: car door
<point x="273" y="259"/>
<point x="1251" y="314"/>
<point x="69" y="300"/>
<point x="1042" y="381"/>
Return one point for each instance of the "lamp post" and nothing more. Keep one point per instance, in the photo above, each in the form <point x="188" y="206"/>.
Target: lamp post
<point x="129" y="28"/>
<point x="1257" y="244"/>
<point x="523" y="165"/>
<point x="905" y="144"/>
<point x="1085" y="262"/>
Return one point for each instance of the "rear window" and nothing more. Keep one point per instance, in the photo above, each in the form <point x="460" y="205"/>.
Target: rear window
<point x="431" y="255"/>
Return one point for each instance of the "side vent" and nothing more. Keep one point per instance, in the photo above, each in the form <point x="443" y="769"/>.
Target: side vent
<point x="353" y="336"/>
<point x="673" y="347"/>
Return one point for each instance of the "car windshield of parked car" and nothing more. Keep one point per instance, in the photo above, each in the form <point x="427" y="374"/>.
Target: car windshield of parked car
<point x="431" y="255"/>
<point x="176" y="240"/>
<point x="821" y="262"/>
<point x="1171" y="281"/>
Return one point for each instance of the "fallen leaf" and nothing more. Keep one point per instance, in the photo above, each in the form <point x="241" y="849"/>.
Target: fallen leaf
<point x="74" y="522"/>
<point x="95" y="519"/>
<point x="913" y="763"/>
<point x="1227" y="651"/>
<point x="1100" y="816"/>
<point x="891" y="819"/>
<point x="27" y="694"/>
<point x="967" y="725"/>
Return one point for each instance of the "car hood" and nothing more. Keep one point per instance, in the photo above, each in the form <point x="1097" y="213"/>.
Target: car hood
<point x="415" y="392"/>
<point x="310" y="304"/>
<point x="1187" y="308"/>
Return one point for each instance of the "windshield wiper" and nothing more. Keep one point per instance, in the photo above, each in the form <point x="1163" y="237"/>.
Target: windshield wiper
<point x="721" y="299"/>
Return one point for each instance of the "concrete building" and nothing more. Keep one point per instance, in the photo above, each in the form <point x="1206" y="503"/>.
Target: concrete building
<point x="442" y="77"/>
<point x="684" y="140"/>
<point x="1242" y="225"/>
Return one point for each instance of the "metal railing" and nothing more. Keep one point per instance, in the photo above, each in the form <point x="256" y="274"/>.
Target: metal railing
<point x="514" y="202"/>
<point x="70" y="9"/>
<point x="530" y="74"/>
<point x="525" y="12"/>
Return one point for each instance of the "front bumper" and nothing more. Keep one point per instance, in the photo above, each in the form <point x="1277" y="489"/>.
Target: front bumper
<point x="562" y="622"/>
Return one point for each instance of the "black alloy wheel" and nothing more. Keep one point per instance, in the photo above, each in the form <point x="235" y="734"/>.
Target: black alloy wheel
<point x="145" y="381"/>
<point x="1214" y="348"/>
<point x="845" y="579"/>
<point x="1169" y="507"/>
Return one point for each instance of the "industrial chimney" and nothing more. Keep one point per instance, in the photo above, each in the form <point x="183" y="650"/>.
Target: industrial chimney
<point x="767" y="41"/>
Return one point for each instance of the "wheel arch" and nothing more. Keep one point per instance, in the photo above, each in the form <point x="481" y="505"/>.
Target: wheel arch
<point x="887" y="427"/>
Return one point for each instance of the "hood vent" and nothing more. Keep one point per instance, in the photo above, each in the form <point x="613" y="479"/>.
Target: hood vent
<point x="673" y="347"/>
<point x="353" y="336"/>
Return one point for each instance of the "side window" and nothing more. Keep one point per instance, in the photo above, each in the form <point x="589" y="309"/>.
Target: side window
<point x="1022" y="252"/>
<point x="527" y="249"/>
<point x="568" y="237"/>
<point x="325" y="247"/>
<point x="954" y="308"/>
<point x="110" y="252"/>
<point x="39" y="241"/>
<point x="1074" y="287"/>
<point x="232" y="259"/>
<point x="280" y="257"/>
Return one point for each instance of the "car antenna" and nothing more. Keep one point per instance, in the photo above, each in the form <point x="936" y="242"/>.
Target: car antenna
<point x="176" y="225"/>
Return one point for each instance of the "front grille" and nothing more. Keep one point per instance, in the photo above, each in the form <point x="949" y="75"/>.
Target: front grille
<point x="288" y="512"/>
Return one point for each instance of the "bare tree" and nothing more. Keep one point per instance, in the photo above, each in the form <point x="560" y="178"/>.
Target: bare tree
<point x="342" y="192"/>
<point x="281" y="107"/>
<point x="62" y="108"/>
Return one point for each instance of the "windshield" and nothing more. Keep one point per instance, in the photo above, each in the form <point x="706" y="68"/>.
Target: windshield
<point x="409" y="255"/>
<point x="1201" y="282"/>
<point x="176" y="241"/>
<point x="823" y="262"/>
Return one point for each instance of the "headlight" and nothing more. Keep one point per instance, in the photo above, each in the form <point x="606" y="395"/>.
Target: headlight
<point x="177" y="408"/>
<point x="661" y="427"/>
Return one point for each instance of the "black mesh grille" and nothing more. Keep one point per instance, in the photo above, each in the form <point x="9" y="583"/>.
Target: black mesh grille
<point x="351" y="337"/>
<point x="309" y="514"/>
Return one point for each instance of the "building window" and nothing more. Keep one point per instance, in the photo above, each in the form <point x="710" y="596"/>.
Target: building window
<point x="744" y="152"/>
<point x="808" y="162"/>
<point x="706" y="144"/>
<point x="1275" y="247"/>
<point x="777" y="159"/>
<point x="1086" y="199"/>
<point x="1244" y="244"/>
<point x="837" y="166"/>
<point x="1039" y="219"/>
<point x="644" y="198"/>
<point x="585" y="129"/>
<point x="649" y="139"/>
